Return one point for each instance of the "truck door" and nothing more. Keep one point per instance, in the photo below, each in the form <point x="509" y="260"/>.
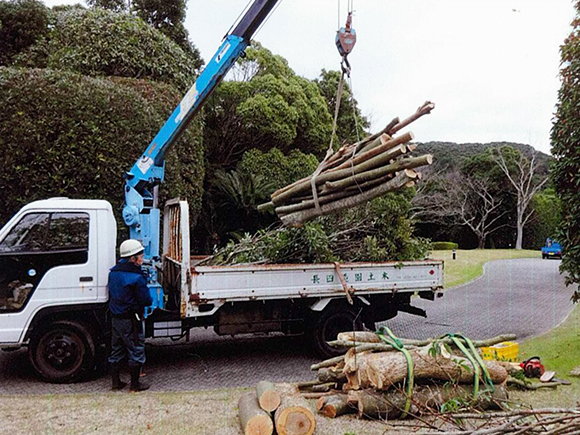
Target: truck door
<point x="45" y="258"/>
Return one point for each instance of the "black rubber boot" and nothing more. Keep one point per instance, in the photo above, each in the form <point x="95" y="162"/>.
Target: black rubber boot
<point x="136" y="383"/>
<point x="116" y="377"/>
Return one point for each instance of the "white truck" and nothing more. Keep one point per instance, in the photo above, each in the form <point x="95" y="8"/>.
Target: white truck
<point x="55" y="257"/>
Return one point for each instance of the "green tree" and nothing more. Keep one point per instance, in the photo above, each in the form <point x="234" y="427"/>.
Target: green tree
<point x="522" y="173"/>
<point x="23" y="23"/>
<point x="473" y="195"/>
<point x="111" y="5"/>
<point x="377" y="231"/>
<point x="351" y="125"/>
<point x="566" y="150"/>
<point x="231" y="198"/>
<point x="279" y="168"/>
<point x="168" y="16"/>
<point x="269" y="107"/>
<point x="546" y="220"/>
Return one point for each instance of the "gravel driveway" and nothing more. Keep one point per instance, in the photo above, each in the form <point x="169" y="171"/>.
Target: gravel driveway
<point x="525" y="296"/>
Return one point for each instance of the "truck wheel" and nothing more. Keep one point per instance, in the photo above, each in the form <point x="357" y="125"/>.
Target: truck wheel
<point x="62" y="352"/>
<point x="328" y="324"/>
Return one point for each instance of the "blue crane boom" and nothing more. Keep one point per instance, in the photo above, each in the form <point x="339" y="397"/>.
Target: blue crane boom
<point x="141" y="213"/>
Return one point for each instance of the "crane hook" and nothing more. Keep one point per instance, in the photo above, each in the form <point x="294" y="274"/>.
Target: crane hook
<point x="345" y="40"/>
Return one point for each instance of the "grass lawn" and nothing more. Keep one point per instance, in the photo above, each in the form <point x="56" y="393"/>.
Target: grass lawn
<point x="559" y="350"/>
<point x="468" y="265"/>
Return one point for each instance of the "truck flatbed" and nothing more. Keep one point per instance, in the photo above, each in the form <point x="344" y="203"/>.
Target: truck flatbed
<point x="221" y="284"/>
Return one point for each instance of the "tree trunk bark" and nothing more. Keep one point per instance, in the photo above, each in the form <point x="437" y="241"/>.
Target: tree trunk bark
<point x="387" y="368"/>
<point x="346" y="339"/>
<point x="480" y="241"/>
<point x="293" y="416"/>
<point x="254" y="420"/>
<point x="388" y="145"/>
<point x="368" y="175"/>
<point x="390" y="404"/>
<point x="520" y="230"/>
<point x="298" y="218"/>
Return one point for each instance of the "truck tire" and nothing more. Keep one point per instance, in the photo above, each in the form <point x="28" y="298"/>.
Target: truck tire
<point x="326" y="326"/>
<point x="62" y="352"/>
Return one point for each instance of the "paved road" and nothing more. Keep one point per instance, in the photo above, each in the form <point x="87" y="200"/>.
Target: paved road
<point x="526" y="297"/>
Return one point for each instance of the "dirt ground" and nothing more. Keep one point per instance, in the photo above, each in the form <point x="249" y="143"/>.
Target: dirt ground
<point x="209" y="412"/>
<point x="212" y="412"/>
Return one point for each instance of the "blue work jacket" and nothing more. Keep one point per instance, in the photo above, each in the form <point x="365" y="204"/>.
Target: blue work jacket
<point x="128" y="291"/>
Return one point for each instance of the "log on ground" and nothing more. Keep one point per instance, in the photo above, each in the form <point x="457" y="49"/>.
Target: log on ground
<point x="425" y="398"/>
<point x="268" y="397"/>
<point x="331" y="374"/>
<point x="254" y="420"/>
<point x="387" y="368"/>
<point x="336" y="406"/>
<point x="293" y="416"/>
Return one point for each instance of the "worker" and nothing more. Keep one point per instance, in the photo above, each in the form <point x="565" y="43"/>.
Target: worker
<point x="128" y="298"/>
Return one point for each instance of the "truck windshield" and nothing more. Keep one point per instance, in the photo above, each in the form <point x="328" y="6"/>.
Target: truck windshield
<point x="48" y="232"/>
<point x="27" y="235"/>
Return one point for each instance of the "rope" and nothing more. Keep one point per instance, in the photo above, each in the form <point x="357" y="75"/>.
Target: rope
<point x="330" y="149"/>
<point x="477" y="362"/>
<point x="356" y="130"/>
<point x="398" y="344"/>
<point x="345" y="67"/>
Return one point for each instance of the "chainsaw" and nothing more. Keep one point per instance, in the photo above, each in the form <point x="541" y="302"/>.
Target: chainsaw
<point x="533" y="367"/>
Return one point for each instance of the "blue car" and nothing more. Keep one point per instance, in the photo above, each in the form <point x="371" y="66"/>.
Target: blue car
<point x="552" y="250"/>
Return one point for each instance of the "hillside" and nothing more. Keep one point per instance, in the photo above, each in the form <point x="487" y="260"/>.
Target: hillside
<point x="449" y="154"/>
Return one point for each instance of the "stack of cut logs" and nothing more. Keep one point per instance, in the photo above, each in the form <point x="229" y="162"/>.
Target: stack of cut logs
<point x="279" y="406"/>
<point x="353" y="175"/>
<point x="371" y="378"/>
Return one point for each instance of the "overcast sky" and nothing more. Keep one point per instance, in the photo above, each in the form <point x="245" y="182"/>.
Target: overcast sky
<point x="490" y="66"/>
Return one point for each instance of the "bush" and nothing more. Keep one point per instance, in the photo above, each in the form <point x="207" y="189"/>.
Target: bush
<point x="63" y="134"/>
<point x="22" y="23"/>
<point x="443" y="246"/>
<point x="97" y="42"/>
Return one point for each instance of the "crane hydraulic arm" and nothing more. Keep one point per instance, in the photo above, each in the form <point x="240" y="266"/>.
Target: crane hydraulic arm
<point x="141" y="213"/>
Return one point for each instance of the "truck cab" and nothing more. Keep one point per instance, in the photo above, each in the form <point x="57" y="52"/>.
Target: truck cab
<point x="54" y="262"/>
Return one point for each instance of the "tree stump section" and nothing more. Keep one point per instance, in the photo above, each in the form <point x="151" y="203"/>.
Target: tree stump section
<point x="268" y="397"/>
<point x="293" y="416"/>
<point x="254" y="420"/>
<point x="387" y="368"/>
<point x="336" y="406"/>
<point x="356" y="369"/>
<point x="425" y="398"/>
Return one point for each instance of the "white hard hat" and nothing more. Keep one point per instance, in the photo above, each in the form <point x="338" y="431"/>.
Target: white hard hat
<point x="131" y="247"/>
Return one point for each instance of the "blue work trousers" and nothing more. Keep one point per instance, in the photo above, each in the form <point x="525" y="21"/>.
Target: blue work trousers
<point x="128" y="340"/>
